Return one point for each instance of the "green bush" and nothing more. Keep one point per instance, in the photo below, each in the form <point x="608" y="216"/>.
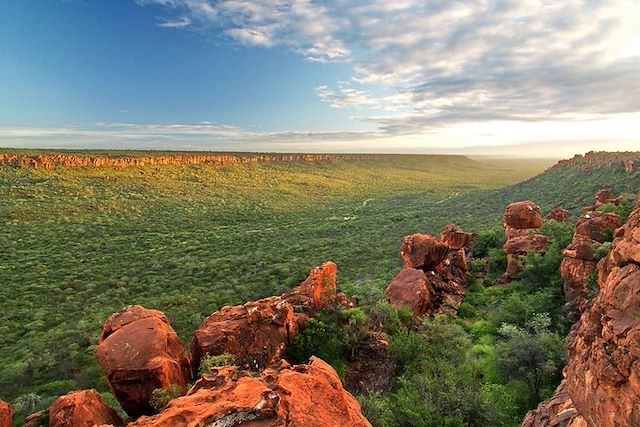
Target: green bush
<point x="215" y="360"/>
<point x="487" y="240"/>
<point x="160" y="397"/>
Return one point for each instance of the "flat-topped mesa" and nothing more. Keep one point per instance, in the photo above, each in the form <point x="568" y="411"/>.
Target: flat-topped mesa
<point x="82" y="408"/>
<point x="49" y="161"/>
<point x="258" y="332"/>
<point x="601" y="378"/>
<point x="6" y="414"/>
<point x="435" y="272"/>
<point x="521" y="220"/>
<point x="139" y="352"/>
<point x="295" y="396"/>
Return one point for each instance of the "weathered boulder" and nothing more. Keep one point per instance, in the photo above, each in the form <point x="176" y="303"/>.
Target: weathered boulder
<point x="628" y="166"/>
<point x="525" y="244"/>
<point x="411" y="289"/>
<point x="423" y="251"/>
<point x="523" y="215"/>
<point x="139" y="352"/>
<point x="82" y="409"/>
<point x="559" y="411"/>
<point x="602" y="377"/>
<point x="258" y="332"/>
<point x="37" y="419"/>
<point x="458" y="239"/>
<point x="598" y="226"/>
<point x="6" y="414"/>
<point x="255" y="333"/>
<point x="559" y="214"/>
<point x="296" y="396"/>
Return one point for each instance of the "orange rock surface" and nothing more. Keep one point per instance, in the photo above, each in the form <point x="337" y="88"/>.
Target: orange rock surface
<point x="299" y="396"/>
<point x="139" y="352"/>
<point x="82" y="409"/>
<point x="6" y="414"/>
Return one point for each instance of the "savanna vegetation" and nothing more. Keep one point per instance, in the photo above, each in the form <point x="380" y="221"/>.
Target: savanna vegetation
<point x="78" y="244"/>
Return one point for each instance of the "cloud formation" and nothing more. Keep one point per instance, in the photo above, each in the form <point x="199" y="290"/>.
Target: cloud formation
<point x="439" y="63"/>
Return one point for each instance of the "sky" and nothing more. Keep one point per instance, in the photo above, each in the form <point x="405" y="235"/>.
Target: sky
<point x="537" y="78"/>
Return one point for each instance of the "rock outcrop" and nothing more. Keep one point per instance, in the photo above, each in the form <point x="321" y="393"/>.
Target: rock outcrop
<point x="6" y="414"/>
<point x="139" y="352"/>
<point x="296" y="396"/>
<point x="258" y="332"/>
<point x="602" y="378"/>
<point x="374" y="368"/>
<point x="559" y="214"/>
<point x="521" y="220"/>
<point x="559" y="411"/>
<point x="435" y="273"/>
<point x="82" y="409"/>
<point x="629" y="166"/>
<point x="580" y="257"/>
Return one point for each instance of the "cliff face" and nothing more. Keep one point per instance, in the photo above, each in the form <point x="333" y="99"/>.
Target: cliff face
<point x="626" y="160"/>
<point x="70" y="161"/>
<point x="602" y="379"/>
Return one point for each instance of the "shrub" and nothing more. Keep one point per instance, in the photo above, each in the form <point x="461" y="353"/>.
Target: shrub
<point x="215" y="360"/>
<point x="160" y="397"/>
<point x="493" y="239"/>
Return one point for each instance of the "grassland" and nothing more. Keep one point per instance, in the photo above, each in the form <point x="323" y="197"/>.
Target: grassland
<point x="78" y="244"/>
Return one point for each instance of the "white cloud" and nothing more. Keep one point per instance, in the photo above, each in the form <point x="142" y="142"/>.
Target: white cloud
<point x="181" y="22"/>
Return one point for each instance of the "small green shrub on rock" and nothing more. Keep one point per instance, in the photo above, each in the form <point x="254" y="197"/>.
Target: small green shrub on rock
<point x="160" y="397"/>
<point x="215" y="361"/>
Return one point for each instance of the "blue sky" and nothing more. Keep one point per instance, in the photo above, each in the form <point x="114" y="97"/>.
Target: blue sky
<point x="528" y="77"/>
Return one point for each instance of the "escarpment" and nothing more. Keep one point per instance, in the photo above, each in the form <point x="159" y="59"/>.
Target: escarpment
<point x="601" y="386"/>
<point x="624" y="160"/>
<point x="435" y="273"/>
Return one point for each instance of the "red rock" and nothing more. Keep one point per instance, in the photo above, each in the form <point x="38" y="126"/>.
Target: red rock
<point x="597" y="226"/>
<point x="602" y="377"/>
<point x="603" y="196"/>
<point x="321" y="285"/>
<point x="256" y="333"/>
<point x="82" y="409"/>
<point x="140" y="352"/>
<point x="457" y="238"/>
<point x="524" y="214"/>
<point x="6" y="414"/>
<point x="559" y="214"/>
<point x="411" y="289"/>
<point x="525" y="244"/>
<point x="576" y="274"/>
<point x="299" y="396"/>
<point x="518" y="232"/>
<point x="559" y="411"/>
<point x="423" y="251"/>
<point x="35" y="420"/>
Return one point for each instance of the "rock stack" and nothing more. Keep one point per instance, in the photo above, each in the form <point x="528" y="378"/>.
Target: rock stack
<point x="559" y="214"/>
<point x="521" y="221"/>
<point x="601" y="386"/>
<point x="435" y="272"/>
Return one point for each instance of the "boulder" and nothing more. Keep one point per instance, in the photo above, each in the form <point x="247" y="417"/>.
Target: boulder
<point x="255" y="333"/>
<point x="559" y="214"/>
<point x="6" y="414"/>
<point x="304" y="395"/>
<point x="598" y="226"/>
<point x="82" y="409"/>
<point x="412" y="289"/>
<point x="522" y="215"/>
<point x="139" y="352"/>
<point x="423" y="251"/>
<point x="321" y="285"/>
<point x="458" y="239"/>
<point x="628" y="166"/>
<point x="525" y="244"/>
<point x="38" y="419"/>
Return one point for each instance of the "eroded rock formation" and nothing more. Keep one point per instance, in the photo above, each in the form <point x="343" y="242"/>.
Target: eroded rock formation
<point x="139" y="352"/>
<point x="6" y="414"/>
<point x="602" y="378"/>
<point x="82" y="409"/>
<point x="559" y="214"/>
<point x="304" y="395"/>
<point x="258" y="332"/>
<point x="435" y="273"/>
<point x="521" y="220"/>
<point x="559" y="411"/>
